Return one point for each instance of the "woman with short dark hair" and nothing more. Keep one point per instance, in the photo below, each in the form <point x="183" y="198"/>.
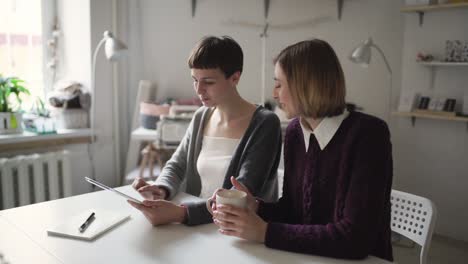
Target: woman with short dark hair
<point x="338" y="168"/>
<point x="228" y="136"/>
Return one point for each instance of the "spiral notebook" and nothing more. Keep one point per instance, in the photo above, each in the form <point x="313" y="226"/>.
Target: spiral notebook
<point x="104" y="221"/>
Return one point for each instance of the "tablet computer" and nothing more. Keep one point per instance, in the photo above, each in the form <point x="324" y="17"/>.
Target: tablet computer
<point x="105" y="187"/>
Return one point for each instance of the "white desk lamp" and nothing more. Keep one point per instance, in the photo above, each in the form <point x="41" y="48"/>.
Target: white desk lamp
<point x="362" y="55"/>
<point x="113" y="49"/>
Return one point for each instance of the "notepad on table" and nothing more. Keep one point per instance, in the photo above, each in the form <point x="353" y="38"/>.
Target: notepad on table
<point x="104" y="221"/>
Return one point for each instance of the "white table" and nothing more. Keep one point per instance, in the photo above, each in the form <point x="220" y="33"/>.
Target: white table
<point x="23" y="238"/>
<point x="17" y="247"/>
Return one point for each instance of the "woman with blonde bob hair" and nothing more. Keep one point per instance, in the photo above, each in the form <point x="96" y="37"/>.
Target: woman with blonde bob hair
<point x="318" y="88"/>
<point x="338" y="168"/>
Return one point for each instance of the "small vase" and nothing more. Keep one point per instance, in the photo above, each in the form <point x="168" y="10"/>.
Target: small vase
<point x="10" y="123"/>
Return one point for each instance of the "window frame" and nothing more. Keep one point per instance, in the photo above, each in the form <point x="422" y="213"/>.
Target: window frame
<point x="49" y="15"/>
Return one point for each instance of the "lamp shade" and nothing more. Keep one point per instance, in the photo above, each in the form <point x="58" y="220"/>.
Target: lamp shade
<point x="362" y="54"/>
<point x="113" y="47"/>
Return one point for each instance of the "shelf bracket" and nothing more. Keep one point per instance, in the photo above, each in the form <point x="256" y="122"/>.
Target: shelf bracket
<point x="266" y="8"/>
<point x="340" y="8"/>
<point x="433" y="77"/>
<point x="413" y="121"/>
<point x="194" y="7"/>
<point x="421" y="18"/>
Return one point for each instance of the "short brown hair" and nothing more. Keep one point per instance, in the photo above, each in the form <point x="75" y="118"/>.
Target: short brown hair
<point x="315" y="78"/>
<point x="217" y="52"/>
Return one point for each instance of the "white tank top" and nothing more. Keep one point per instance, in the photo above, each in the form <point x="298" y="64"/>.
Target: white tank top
<point x="213" y="162"/>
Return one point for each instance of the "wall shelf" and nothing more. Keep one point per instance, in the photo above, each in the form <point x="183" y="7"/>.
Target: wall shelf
<point x="430" y="8"/>
<point x="435" y="64"/>
<point x="443" y="63"/>
<point x="266" y="7"/>
<point x="414" y="115"/>
<point x="421" y="9"/>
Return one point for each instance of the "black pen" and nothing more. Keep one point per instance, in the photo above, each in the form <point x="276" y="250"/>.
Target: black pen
<point x="87" y="223"/>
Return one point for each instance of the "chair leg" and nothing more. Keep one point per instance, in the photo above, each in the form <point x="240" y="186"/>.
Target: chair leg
<point x="143" y="165"/>
<point x="151" y="164"/>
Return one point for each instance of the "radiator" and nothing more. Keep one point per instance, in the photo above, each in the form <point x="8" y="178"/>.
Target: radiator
<point x="34" y="178"/>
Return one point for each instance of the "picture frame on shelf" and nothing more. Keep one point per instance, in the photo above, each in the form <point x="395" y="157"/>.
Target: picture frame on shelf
<point x="433" y="102"/>
<point x="449" y="105"/>
<point x="465" y="104"/>
<point x="408" y="101"/>
<point x="424" y="102"/>
<point x="440" y="103"/>
<point x="464" y="55"/>
<point x="439" y="106"/>
<point x="454" y="51"/>
<point x="420" y="2"/>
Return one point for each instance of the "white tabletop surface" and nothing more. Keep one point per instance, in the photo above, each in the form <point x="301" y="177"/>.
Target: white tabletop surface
<point x="17" y="247"/>
<point x="23" y="230"/>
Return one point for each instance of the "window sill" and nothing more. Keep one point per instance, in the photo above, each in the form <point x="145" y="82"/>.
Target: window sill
<point x="27" y="140"/>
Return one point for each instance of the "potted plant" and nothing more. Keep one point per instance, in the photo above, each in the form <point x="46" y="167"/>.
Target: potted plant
<point x="10" y="119"/>
<point x="38" y="119"/>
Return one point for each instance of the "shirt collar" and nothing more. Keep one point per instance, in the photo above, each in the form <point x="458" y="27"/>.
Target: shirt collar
<point x="325" y="131"/>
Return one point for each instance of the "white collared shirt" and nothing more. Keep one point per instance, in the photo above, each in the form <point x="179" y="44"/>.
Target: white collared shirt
<point x="325" y="131"/>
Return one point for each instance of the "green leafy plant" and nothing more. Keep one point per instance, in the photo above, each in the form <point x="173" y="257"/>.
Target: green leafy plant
<point x="40" y="109"/>
<point x="11" y="86"/>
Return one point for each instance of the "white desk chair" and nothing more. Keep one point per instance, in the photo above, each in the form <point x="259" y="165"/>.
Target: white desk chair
<point x="146" y="92"/>
<point x="414" y="217"/>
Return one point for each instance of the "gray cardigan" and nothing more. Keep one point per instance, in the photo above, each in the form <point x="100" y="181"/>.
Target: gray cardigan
<point x="254" y="162"/>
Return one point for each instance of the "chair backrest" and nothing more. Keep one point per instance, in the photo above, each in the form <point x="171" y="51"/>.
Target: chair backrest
<point x="146" y="92"/>
<point x="414" y="217"/>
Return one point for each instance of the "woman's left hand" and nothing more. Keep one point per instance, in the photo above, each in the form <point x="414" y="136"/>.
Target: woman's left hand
<point x="160" y="212"/>
<point x="240" y="222"/>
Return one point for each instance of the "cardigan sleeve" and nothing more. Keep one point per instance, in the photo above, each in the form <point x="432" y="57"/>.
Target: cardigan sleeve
<point x="197" y="213"/>
<point x="260" y="160"/>
<point x="366" y="191"/>
<point x="274" y="212"/>
<point x="278" y="211"/>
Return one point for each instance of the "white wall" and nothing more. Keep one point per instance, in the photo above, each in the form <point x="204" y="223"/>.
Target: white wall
<point x="74" y="64"/>
<point x="82" y="24"/>
<point x="101" y="20"/>
<point x="161" y="34"/>
<point x="431" y="158"/>
<point x="130" y="68"/>
<point x="75" y="41"/>
<point x="168" y="32"/>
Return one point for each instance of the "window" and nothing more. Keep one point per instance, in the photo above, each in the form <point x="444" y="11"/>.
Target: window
<point x="22" y="45"/>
